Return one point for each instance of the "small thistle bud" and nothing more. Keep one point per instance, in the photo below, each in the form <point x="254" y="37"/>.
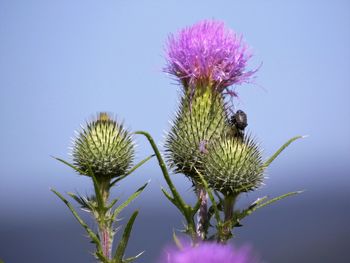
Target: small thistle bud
<point x="233" y="166"/>
<point x="200" y="120"/>
<point x="105" y="147"/>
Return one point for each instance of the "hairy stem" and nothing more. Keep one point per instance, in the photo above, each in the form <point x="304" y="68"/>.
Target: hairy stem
<point x="104" y="224"/>
<point x="106" y="242"/>
<point x="202" y="216"/>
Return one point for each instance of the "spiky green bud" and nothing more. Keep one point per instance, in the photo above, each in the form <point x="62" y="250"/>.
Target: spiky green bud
<point x="105" y="147"/>
<point x="201" y="118"/>
<point x="232" y="165"/>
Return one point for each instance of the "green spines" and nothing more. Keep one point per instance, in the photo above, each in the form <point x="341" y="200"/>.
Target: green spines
<point x="104" y="147"/>
<point x="201" y="118"/>
<point x="232" y="165"/>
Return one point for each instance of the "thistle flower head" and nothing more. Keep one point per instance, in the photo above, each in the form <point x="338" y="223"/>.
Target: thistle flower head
<point x="232" y="165"/>
<point x="208" y="252"/>
<point x="208" y="54"/>
<point x="104" y="147"/>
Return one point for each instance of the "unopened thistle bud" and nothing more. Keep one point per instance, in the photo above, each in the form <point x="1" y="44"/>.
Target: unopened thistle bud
<point x="103" y="147"/>
<point x="200" y="120"/>
<point x="232" y="166"/>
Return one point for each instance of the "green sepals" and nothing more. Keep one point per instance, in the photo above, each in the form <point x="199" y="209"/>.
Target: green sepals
<point x="284" y="146"/>
<point x="201" y="119"/>
<point x="119" y="254"/>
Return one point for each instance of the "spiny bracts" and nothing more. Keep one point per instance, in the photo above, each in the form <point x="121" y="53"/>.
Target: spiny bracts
<point x="201" y="118"/>
<point x="105" y="147"/>
<point x="232" y="165"/>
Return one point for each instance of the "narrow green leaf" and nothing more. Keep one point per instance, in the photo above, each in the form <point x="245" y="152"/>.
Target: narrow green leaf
<point x="258" y="204"/>
<point x="112" y="203"/>
<point x="128" y="201"/>
<point x="258" y="201"/>
<point x="284" y="146"/>
<point x="170" y="198"/>
<point x="163" y="167"/>
<point x="70" y="165"/>
<point x="99" y="255"/>
<point x="92" y="235"/>
<point x="131" y="259"/>
<point x="118" y="257"/>
<point x="132" y="169"/>
<point x="84" y="203"/>
<point x="278" y="198"/>
<point x="97" y="188"/>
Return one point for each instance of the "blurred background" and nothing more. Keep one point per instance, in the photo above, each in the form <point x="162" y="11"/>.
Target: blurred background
<point x="63" y="61"/>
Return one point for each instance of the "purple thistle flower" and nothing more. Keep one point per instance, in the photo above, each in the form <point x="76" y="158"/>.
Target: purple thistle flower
<point x="208" y="54"/>
<point x="208" y="252"/>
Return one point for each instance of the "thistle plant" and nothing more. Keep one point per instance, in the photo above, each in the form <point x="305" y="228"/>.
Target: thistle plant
<point x="104" y="151"/>
<point x="207" y="141"/>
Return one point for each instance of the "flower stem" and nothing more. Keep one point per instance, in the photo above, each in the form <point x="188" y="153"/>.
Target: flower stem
<point x="104" y="223"/>
<point x="224" y="233"/>
<point x="106" y="242"/>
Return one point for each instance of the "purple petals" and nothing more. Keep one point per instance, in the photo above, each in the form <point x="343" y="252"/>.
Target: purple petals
<point x="208" y="252"/>
<point x="208" y="53"/>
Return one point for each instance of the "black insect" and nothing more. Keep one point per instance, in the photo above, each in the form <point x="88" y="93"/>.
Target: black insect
<point x="238" y="123"/>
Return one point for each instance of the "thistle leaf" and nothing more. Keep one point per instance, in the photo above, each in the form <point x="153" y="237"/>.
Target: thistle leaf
<point x="97" y="188"/>
<point x="92" y="235"/>
<point x="277" y="199"/>
<point x="259" y="203"/>
<point x="112" y="203"/>
<point x="118" y="257"/>
<point x="132" y="169"/>
<point x="277" y="153"/>
<point x="70" y="165"/>
<point x="128" y="201"/>
<point x="171" y="199"/>
<point x="84" y="203"/>
<point x="131" y="259"/>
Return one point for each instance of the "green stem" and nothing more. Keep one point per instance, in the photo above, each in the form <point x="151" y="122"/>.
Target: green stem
<point x="224" y="233"/>
<point x="104" y="223"/>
